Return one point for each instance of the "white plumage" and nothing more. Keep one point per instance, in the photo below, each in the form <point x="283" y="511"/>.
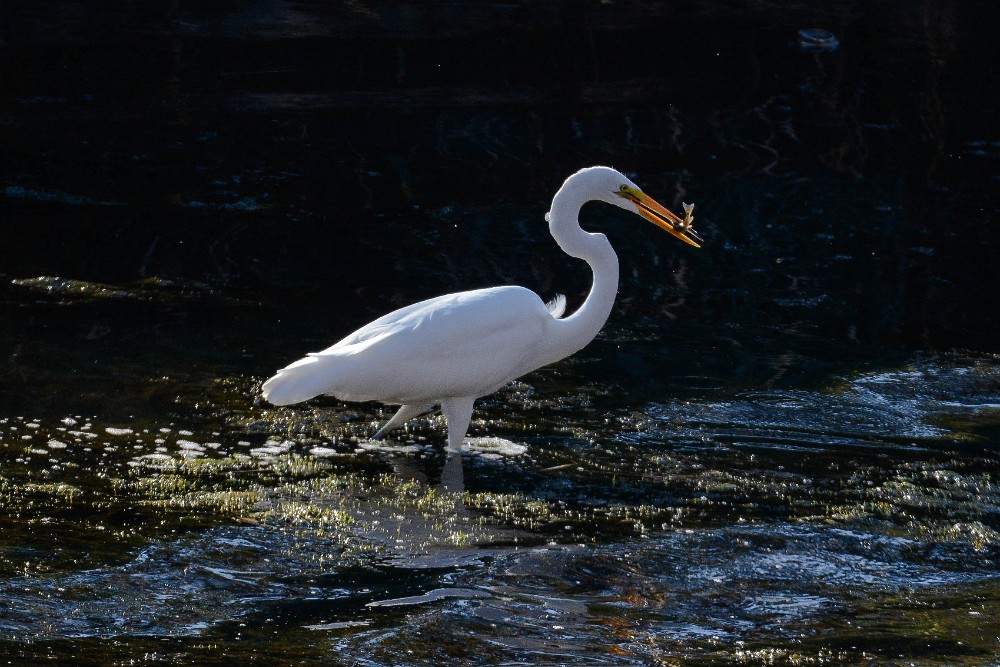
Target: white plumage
<point x="452" y="349"/>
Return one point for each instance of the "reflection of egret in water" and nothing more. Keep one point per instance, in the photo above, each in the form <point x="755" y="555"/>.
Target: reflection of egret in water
<point x="492" y="450"/>
<point x="452" y="474"/>
<point x="453" y="349"/>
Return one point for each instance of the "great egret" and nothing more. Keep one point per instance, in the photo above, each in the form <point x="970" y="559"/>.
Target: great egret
<point x="453" y="349"/>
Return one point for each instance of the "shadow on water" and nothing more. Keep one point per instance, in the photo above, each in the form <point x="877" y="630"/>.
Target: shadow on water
<point x="781" y="450"/>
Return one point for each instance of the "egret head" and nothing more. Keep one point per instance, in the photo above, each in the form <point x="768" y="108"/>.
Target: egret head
<point x="632" y="198"/>
<point x="611" y="186"/>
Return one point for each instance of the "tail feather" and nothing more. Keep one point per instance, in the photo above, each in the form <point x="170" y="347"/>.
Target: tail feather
<point x="339" y="370"/>
<point x="557" y="306"/>
<point x="300" y="381"/>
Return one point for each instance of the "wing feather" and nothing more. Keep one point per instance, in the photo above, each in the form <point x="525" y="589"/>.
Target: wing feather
<point x="462" y="344"/>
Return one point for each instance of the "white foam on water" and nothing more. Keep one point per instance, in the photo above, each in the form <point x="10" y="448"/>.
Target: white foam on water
<point x="190" y="446"/>
<point x="492" y="448"/>
<point x="386" y="447"/>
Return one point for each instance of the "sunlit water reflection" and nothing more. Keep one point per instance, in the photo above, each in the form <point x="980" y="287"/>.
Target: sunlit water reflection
<point x="850" y="523"/>
<point x="761" y="460"/>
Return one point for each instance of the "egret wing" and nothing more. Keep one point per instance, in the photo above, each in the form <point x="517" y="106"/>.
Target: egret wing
<point x="463" y="344"/>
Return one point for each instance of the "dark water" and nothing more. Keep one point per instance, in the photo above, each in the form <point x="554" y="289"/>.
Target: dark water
<point x="782" y="450"/>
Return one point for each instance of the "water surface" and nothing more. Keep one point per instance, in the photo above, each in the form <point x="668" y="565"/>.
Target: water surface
<point x="782" y="449"/>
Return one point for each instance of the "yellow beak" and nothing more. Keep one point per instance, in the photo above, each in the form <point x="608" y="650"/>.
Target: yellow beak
<point x="663" y="218"/>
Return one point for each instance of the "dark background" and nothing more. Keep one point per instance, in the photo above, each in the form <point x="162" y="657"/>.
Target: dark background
<point x="261" y="177"/>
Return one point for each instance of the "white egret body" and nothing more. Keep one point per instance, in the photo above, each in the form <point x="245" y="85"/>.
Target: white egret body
<point x="452" y="349"/>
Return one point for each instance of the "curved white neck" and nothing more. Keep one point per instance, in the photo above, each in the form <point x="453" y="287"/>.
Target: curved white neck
<point x="578" y="329"/>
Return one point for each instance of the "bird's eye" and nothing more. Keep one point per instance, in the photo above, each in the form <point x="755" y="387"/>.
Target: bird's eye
<point x="623" y="189"/>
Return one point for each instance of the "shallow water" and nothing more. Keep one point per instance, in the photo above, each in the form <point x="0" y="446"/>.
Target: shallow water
<point x="852" y="523"/>
<point x="782" y="449"/>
